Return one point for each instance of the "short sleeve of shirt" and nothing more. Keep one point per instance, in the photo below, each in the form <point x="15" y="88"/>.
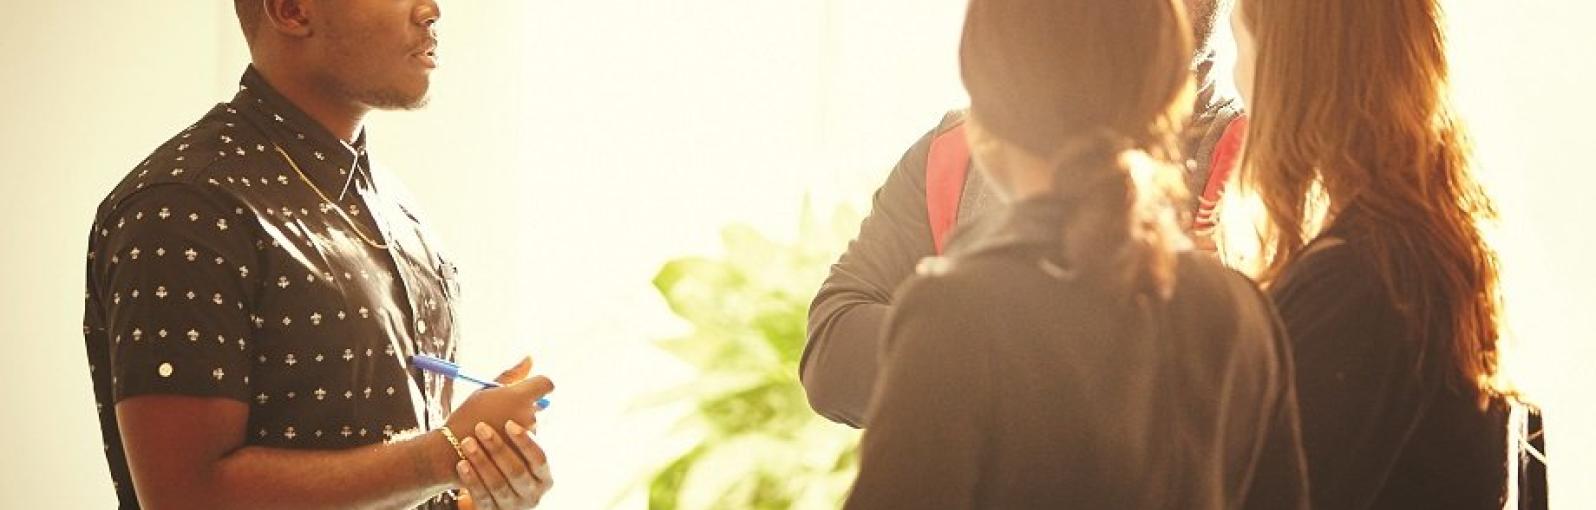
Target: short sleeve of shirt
<point x="174" y="276"/>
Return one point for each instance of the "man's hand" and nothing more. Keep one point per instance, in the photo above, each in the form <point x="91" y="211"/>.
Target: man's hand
<point x="505" y="469"/>
<point x="500" y="474"/>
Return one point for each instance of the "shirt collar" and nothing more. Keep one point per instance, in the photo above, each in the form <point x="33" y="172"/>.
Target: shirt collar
<point x="332" y="164"/>
<point x="1031" y="222"/>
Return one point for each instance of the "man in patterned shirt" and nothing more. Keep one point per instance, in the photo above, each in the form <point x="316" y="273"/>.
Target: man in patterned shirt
<point x="256" y="288"/>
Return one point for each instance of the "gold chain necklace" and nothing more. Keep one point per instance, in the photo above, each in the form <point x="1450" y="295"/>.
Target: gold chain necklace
<point x="306" y="179"/>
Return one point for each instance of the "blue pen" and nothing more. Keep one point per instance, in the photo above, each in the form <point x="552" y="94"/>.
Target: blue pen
<point x="447" y="369"/>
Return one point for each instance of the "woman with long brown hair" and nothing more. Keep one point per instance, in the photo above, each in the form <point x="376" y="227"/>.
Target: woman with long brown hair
<point x="1076" y="355"/>
<point x="1372" y="251"/>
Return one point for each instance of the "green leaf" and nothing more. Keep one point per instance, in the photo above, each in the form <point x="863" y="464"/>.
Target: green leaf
<point x="783" y="328"/>
<point x="667" y="483"/>
<point x="761" y="446"/>
<point x="696" y="288"/>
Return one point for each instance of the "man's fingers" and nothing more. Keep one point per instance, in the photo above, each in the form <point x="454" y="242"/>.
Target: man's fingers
<point x="488" y="472"/>
<point x="543" y="479"/>
<point x="529" y="449"/>
<point x="516" y="373"/>
<point x="515" y="470"/>
<point x="474" y="487"/>
<point x="534" y="388"/>
<point x="546" y="476"/>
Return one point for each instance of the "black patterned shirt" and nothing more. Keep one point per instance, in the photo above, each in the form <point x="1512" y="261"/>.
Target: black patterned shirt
<point x="218" y="269"/>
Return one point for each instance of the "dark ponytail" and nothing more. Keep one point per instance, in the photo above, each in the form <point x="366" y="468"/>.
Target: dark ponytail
<point x="1118" y="231"/>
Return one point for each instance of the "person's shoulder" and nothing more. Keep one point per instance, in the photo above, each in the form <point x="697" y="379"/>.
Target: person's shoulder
<point x="1202" y="282"/>
<point x="1204" y="270"/>
<point x="1222" y="322"/>
<point x="949" y="298"/>
<point x="1330" y="269"/>
<point x="951" y="120"/>
<point x="914" y="159"/>
<point x="935" y="281"/>
<point x="196" y="162"/>
<point x="987" y="279"/>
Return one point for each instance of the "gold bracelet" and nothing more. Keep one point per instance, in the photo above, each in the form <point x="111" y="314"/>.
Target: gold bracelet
<point x="448" y="434"/>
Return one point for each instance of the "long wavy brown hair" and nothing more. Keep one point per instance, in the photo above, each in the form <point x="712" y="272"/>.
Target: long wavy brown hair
<point x="1087" y="85"/>
<point x="1350" y="103"/>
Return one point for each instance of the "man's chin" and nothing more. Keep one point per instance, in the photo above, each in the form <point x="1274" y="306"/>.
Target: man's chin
<point x="416" y="104"/>
<point x="395" y="100"/>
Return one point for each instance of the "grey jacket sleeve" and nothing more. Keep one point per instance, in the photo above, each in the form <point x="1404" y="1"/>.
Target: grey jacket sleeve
<point x="846" y="317"/>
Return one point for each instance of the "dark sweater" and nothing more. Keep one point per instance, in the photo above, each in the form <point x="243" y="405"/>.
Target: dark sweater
<point x="1380" y="428"/>
<point x="1005" y="386"/>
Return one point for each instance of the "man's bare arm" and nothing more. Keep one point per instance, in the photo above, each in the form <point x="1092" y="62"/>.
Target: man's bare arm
<point x="188" y="452"/>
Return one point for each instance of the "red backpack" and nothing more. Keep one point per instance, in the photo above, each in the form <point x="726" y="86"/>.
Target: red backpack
<point x="948" y="164"/>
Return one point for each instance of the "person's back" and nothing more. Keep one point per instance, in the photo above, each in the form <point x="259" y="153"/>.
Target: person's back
<point x="1373" y="254"/>
<point x="1011" y="384"/>
<point x="1381" y="427"/>
<point x="1076" y="355"/>
<point x="839" y="364"/>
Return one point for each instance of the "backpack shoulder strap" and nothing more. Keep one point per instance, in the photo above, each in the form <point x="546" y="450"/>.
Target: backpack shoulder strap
<point x="946" y="166"/>
<point x="1227" y="156"/>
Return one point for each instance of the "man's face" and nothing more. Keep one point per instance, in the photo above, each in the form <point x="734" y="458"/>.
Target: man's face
<point x="379" y="53"/>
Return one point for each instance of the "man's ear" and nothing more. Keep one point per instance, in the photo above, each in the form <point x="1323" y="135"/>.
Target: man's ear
<point x="288" y="17"/>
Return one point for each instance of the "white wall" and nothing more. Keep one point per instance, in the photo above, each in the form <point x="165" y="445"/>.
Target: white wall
<point x="1524" y="77"/>
<point x="574" y="146"/>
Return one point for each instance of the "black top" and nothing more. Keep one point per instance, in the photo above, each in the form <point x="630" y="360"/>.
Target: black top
<point x="845" y="320"/>
<point x="1006" y="383"/>
<point x="215" y="270"/>
<point x="1380" y="428"/>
